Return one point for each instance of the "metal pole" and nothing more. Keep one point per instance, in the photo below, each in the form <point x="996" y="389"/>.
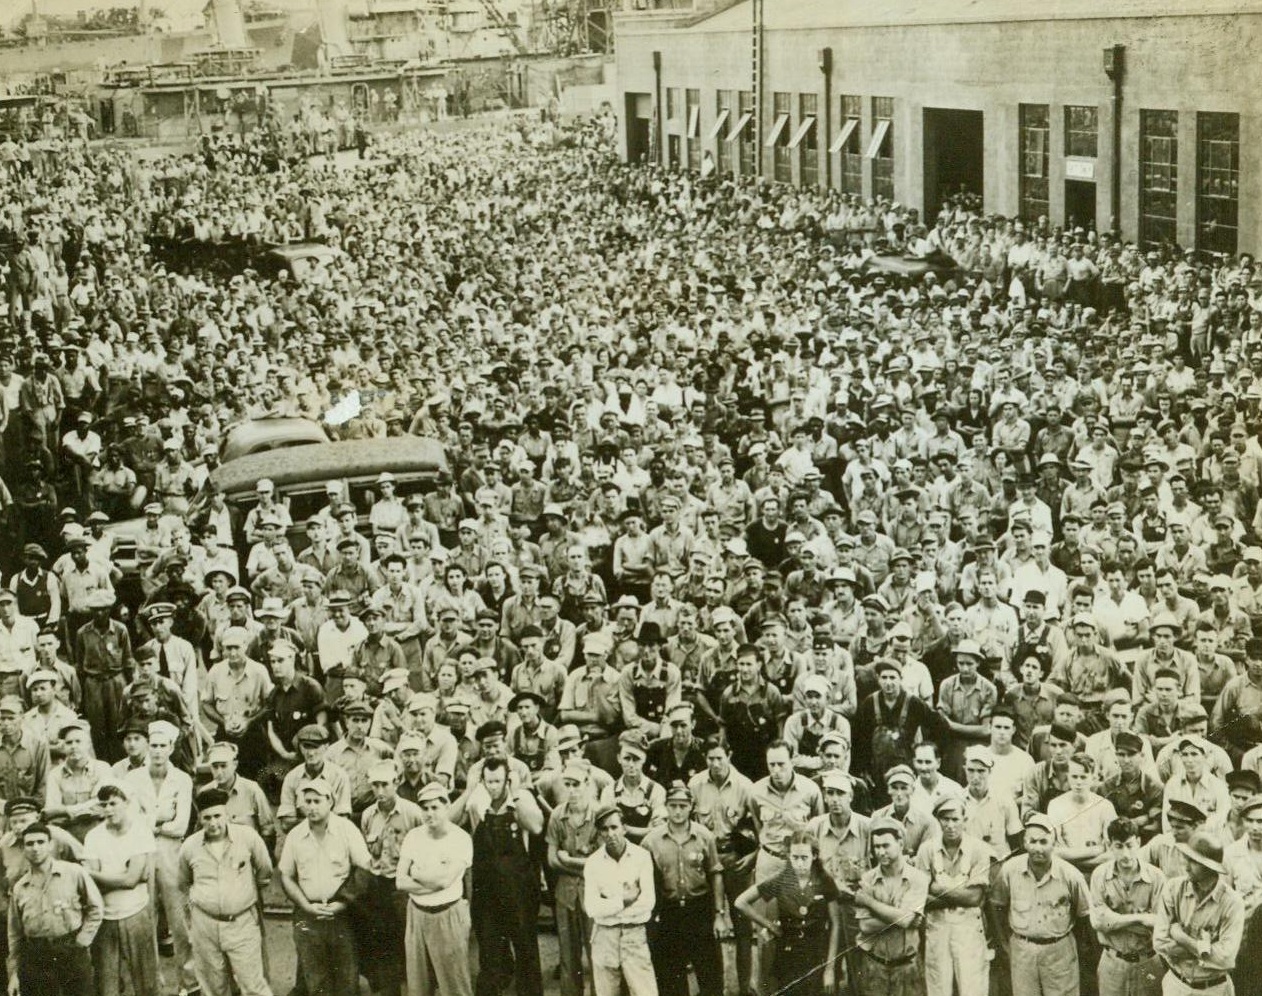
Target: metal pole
<point x="1115" y="68"/>
<point x="826" y="131"/>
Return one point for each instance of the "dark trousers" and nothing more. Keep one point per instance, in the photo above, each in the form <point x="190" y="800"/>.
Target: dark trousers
<point x="326" y="955"/>
<point x="55" y="968"/>
<point x="507" y="929"/>
<point x="683" y="936"/>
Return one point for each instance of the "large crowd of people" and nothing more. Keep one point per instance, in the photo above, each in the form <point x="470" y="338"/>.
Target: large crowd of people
<point x="774" y="620"/>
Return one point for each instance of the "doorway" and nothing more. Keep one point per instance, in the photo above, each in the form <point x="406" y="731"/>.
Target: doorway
<point x="638" y="116"/>
<point x="1080" y="204"/>
<point x="953" y="157"/>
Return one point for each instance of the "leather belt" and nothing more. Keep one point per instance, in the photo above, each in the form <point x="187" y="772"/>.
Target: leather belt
<point x="620" y="926"/>
<point x="1041" y="940"/>
<point x="906" y="959"/>
<point x="1130" y="956"/>
<point x="435" y="909"/>
<point x="223" y="917"/>
<point x="1217" y="980"/>
<point x="62" y="940"/>
<point x="775" y="854"/>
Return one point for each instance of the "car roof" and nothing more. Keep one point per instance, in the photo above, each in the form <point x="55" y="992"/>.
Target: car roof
<point x="304" y="250"/>
<point x="350" y="458"/>
<point x="290" y="429"/>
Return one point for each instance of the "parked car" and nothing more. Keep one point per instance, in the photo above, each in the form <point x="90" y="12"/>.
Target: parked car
<point x="300" y="475"/>
<point x="276" y="432"/>
<point x="228" y="257"/>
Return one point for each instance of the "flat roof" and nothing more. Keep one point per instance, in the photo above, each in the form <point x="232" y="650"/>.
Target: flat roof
<point x="803" y="15"/>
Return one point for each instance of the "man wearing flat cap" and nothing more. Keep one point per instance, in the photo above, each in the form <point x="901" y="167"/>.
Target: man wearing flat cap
<point x="324" y="865"/>
<point x="1199" y="923"/>
<point x="312" y="743"/>
<point x="223" y="869"/>
<point x="433" y="860"/>
<point x="103" y="655"/>
<point x="889" y="903"/>
<point x="958" y="867"/>
<point x="619" y="894"/>
<point x="356" y="753"/>
<point x="1196" y="784"/>
<point x="1039" y="899"/>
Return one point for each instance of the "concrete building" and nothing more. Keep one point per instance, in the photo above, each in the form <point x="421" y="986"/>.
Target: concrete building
<point x="1137" y="114"/>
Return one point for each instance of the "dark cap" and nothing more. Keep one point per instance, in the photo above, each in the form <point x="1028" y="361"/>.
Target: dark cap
<point x="1128" y="743"/>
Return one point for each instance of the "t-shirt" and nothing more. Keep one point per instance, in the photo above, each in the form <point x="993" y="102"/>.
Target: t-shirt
<point x="446" y="855"/>
<point x="113" y="850"/>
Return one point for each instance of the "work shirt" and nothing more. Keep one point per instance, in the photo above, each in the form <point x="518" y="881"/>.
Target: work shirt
<point x="1111" y="895"/>
<point x="603" y="880"/>
<point x="722" y="808"/>
<point x="223" y="877"/>
<point x="356" y="761"/>
<point x="1041" y="909"/>
<point x="23" y="767"/>
<point x="384" y="833"/>
<point x="685" y="865"/>
<point x="918" y="826"/>
<point x="248" y="807"/>
<point x="321" y="864"/>
<point x="845" y="853"/>
<point x="969" y="866"/>
<point x="166" y="804"/>
<point x="339" y="781"/>
<point x="992" y="819"/>
<point x="237" y="695"/>
<point x="51" y="903"/>
<point x="1219" y="916"/>
<point x="573" y="831"/>
<point x="906" y="891"/>
<point x="782" y="812"/>
<point x="1208" y="794"/>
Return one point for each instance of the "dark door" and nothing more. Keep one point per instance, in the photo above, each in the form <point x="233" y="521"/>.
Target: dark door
<point x="1080" y="204"/>
<point x="638" y="119"/>
<point x="953" y="157"/>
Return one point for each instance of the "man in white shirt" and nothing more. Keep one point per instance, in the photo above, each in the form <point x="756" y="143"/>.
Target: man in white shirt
<point x="619" y="896"/>
<point x="433" y="860"/>
<point x="119" y="855"/>
<point x="164" y="794"/>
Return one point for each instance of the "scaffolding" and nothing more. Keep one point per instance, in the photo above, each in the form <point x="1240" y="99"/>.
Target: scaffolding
<point x="576" y="27"/>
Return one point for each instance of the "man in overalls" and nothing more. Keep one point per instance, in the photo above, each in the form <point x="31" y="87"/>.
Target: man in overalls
<point x="646" y="694"/>
<point x="532" y="740"/>
<point x="641" y="801"/>
<point x="505" y="903"/>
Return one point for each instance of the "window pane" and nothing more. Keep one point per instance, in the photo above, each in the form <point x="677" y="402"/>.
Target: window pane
<point x="1035" y="133"/>
<point x="1218" y="182"/>
<point x="1158" y="176"/>
<point x="1081" y="131"/>
<point x="883" y="163"/>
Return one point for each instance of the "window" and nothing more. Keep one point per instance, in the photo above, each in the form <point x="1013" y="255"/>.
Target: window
<point x="1217" y="181"/>
<point x="1035" y="123"/>
<point x="1082" y="128"/>
<point x="847" y="143"/>
<point x="748" y="136"/>
<point x="674" y="158"/>
<point x="718" y="132"/>
<point x="780" y="136"/>
<point x="672" y="103"/>
<point x="881" y="147"/>
<point x="806" y="139"/>
<point x="692" y="103"/>
<point x="1158" y="176"/>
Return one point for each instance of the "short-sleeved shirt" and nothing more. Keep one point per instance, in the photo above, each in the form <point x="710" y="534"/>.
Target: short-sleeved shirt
<point x="237" y="695"/>
<point x="782" y="813"/>
<point x="222" y="876"/>
<point x="969" y="866"/>
<point x="575" y="834"/>
<point x="1139" y="895"/>
<point x="845" y="853"/>
<point x="992" y="820"/>
<point x="113" y="850"/>
<point x="722" y="808"/>
<point x="800" y="908"/>
<point x="322" y="864"/>
<point x="384" y="833"/>
<point x="1043" y="909"/>
<point x="906" y="891"/>
<point x="338" y="781"/>
<point x="430" y="855"/>
<point x="685" y="866"/>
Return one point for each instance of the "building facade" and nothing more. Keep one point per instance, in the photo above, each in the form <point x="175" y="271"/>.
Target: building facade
<point x="1015" y="102"/>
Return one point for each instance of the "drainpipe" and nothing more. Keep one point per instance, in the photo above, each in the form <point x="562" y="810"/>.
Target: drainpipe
<point x="1115" y="69"/>
<point x="756" y="8"/>
<point x="659" y="112"/>
<point x="824" y="132"/>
